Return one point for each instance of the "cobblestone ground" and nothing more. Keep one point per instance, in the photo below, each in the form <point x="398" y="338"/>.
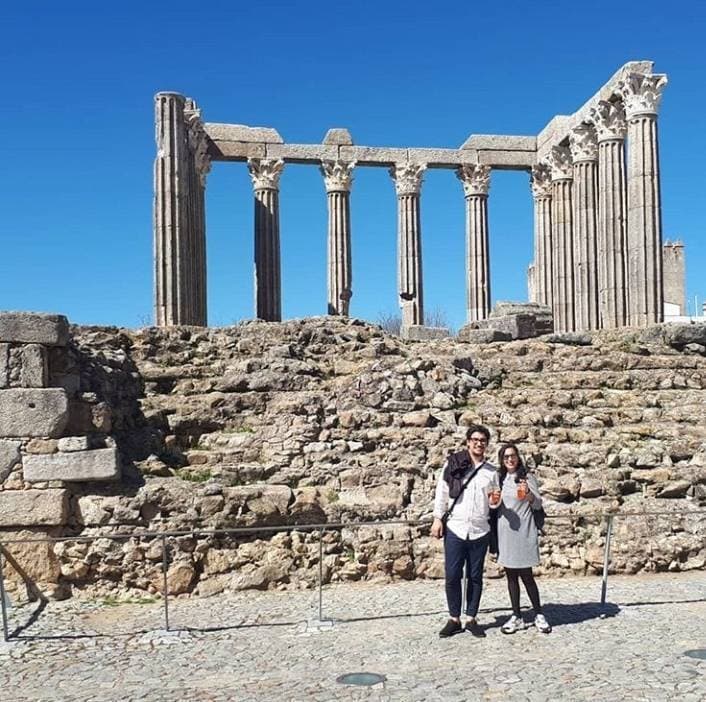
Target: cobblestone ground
<point x="258" y="646"/>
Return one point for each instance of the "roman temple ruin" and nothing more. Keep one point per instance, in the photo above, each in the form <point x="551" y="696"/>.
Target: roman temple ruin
<point x="594" y="179"/>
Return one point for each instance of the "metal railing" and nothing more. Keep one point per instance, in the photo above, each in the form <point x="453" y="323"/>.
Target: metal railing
<point x="34" y="593"/>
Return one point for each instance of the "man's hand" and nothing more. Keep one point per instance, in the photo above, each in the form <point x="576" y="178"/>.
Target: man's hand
<point x="437" y="529"/>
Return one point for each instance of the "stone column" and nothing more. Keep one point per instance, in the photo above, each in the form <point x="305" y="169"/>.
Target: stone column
<point x="584" y="154"/>
<point x="338" y="177"/>
<point x="609" y="121"/>
<point x="408" y="183"/>
<point x="541" y="181"/>
<point x="476" y="183"/>
<point x="562" y="239"/>
<point x="641" y="96"/>
<point x="265" y="174"/>
<point x="200" y="167"/>
<point x="170" y="210"/>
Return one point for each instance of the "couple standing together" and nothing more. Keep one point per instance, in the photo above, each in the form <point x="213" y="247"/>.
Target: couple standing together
<point x="469" y="490"/>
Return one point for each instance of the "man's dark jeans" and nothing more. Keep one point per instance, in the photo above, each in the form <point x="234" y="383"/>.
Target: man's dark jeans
<point x="456" y="553"/>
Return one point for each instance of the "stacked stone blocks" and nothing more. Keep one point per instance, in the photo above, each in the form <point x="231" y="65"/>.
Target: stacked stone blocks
<point x="40" y="401"/>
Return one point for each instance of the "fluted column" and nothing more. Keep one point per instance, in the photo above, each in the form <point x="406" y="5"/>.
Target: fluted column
<point x="563" y="303"/>
<point x="541" y="181"/>
<point x="338" y="177"/>
<point x="265" y="174"/>
<point x="408" y="183"/>
<point x="609" y="121"/>
<point x="641" y="95"/>
<point x="476" y="184"/>
<point x="171" y="224"/>
<point x="200" y="165"/>
<point x="584" y="154"/>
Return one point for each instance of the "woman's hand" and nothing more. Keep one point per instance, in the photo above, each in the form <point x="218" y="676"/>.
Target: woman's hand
<point x="437" y="529"/>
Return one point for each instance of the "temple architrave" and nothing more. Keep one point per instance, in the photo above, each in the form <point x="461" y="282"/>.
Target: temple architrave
<point x="594" y="179"/>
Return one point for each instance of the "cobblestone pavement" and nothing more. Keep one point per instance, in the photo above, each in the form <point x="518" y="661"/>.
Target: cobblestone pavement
<point x="258" y="646"/>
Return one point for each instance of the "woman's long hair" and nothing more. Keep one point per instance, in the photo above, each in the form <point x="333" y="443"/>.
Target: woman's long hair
<point x="521" y="471"/>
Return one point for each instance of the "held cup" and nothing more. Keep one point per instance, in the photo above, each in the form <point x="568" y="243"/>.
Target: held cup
<point x="493" y="494"/>
<point x="522" y="490"/>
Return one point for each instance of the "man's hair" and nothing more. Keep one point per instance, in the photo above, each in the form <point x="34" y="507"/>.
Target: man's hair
<point x="478" y="428"/>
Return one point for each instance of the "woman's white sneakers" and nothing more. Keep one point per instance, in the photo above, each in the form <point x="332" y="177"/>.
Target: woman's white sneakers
<point x="542" y="624"/>
<point x="514" y="624"/>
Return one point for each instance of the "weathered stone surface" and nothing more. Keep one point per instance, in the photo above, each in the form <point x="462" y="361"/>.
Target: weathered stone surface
<point x="34" y="508"/>
<point x="96" y="465"/>
<point x="68" y="444"/>
<point x="544" y="321"/>
<point x="34" y="328"/>
<point x="509" y="160"/>
<point x="33" y="368"/>
<point x="570" y="338"/>
<point x="42" y="446"/>
<point x="4" y="365"/>
<point x="417" y="332"/>
<point x="9" y="457"/>
<point x="472" y="335"/>
<point x="500" y="142"/>
<point x="341" y="137"/>
<point x="302" y="153"/>
<point x="518" y="326"/>
<point x="241" y="132"/>
<point x="33" y="412"/>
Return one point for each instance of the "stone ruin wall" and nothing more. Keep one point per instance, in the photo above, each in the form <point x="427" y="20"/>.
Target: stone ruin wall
<point x="106" y="430"/>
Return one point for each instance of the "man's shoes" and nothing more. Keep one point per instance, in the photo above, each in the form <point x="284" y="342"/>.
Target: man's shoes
<point x="542" y="624"/>
<point x="453" y="626"/>
<point x="512" y="625"/>
<point x="475" y="629"/>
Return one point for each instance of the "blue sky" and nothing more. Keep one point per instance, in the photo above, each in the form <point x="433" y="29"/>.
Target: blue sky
<point x="77" y="136"/>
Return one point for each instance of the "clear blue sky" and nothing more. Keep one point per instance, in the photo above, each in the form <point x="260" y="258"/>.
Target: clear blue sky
<point x="78" y="138"/>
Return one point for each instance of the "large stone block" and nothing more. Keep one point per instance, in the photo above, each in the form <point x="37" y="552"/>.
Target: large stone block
<point x="34" y="328"/>
<point x="34" y="508"/>
<point x="33" y="412"/>
<point x="518" y="326"/>
<point x="9" y="457"/>
<point x="4" y="365"/>
<point x="417" y="332"/>
<point x="241" y="132"/>
<point x="341" y="137"/>
<point x="500" y="142"/>
<point x="544" y="320"/>
<point x="472" y="335"/>
<point x="302" y="153"/>
<point x="33" y="366"/>
<point x="79" y="466"/>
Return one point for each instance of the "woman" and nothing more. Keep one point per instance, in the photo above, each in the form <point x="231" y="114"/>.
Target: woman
<point x="518" y="542"/>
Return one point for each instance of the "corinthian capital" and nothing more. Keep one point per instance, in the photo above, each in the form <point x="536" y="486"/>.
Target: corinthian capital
<point x="265" y="172"/>
<point x="408" y="177"/>
<point x="475" y="179"/>
<point x="641" y="94"/>
<point x="198" y="141"/>
<point x="583" y="143"/>
<point x="541" y="181"/>
<point x="560" y="162"/>
<point x="338" y="175"/>
<point x="609" y="120"/>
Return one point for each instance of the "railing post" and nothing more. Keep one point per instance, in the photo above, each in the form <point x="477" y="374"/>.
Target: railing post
<point x="606" y="558"/>
<point x="321" y="574"/>
<point x="5" y="631"/>
<point x="165" y="586"/>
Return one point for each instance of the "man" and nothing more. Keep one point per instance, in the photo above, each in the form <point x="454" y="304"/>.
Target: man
<point x="467" y="532"/>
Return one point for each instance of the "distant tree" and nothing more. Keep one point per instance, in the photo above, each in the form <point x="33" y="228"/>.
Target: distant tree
<point x="391" y="322"/>
<point x="438" y="318"/>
